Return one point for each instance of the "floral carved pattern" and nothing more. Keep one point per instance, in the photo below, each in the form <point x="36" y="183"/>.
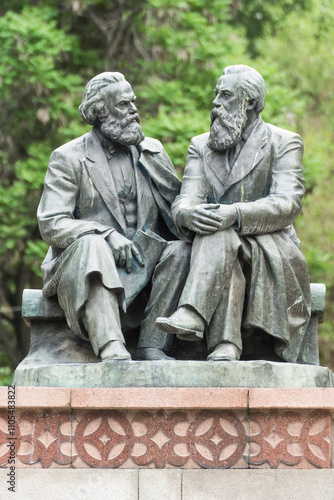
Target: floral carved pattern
<point x="277" y="433"/>
<point x="6" y="437"/>
<point x="152" y="438"/>
<point x="157" y="438"/>
<point x="113" y="431"/>
<point x="217" y="439"/>
<point x="315" y="441"/>
<point x="45" y="438"/>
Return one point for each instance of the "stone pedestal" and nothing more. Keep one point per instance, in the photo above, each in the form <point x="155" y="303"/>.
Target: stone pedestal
<point x="158" y="436"/>
<point x="172" y="374"/>
<point x="173" y="430"/>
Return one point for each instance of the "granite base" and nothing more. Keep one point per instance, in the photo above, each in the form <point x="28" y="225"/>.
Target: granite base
<point x="161" y="428"/>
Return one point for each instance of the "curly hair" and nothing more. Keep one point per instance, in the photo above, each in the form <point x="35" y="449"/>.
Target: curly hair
<point x="93" y="105"/>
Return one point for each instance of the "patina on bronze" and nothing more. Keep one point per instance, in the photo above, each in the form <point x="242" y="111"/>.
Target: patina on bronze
<point x="248" y="287"/>
<point x="105" y="211"/>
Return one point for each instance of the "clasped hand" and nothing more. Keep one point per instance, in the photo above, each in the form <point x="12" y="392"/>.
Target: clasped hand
<point x="124" y="251"/>
<point x="207" y="218"/>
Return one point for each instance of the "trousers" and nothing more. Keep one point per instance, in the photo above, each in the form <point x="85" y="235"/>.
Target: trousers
<point x="244" y="283"/>
<point x="91" y="293"/>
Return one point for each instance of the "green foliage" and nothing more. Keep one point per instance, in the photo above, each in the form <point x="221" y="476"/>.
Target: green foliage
<point x="262" y="19"/>
<point x="37" y="106"/>
<point x="6" y="371"/>
<point x="175" y="130"/>
<point x="37" y="103"/>
<point x="6" y="375"/>
<point x="301" y="47"/>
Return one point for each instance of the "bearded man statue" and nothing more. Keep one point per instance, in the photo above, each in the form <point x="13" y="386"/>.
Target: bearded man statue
<point x="115" y="261"/>
<point x="248" y="287"/>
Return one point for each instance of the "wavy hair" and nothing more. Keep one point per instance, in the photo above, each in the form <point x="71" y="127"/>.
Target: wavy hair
<point x="93" y="106"/>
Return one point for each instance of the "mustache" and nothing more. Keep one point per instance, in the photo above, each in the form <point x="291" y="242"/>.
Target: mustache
<point x="218" y="113"/>
<point x="130" y="119"/>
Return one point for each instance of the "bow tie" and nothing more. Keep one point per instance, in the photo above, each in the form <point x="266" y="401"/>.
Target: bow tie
<point x="115" y="147"/>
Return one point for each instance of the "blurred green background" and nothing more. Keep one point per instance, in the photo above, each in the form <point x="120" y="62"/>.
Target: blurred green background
<point x="172" y="52"/>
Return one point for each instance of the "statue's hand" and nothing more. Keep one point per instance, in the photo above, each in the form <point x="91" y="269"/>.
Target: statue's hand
<point x="202" y="219"/>
<point x="123" y="250"/>
<point x="228" y="214"/>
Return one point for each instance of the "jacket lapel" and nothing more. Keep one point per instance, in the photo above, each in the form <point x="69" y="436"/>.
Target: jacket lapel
<point x="250" y="155"/>
<point x="99" y="171"/>
<point x="216" y="162"/>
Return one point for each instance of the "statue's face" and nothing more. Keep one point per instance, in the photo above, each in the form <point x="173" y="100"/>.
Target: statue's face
<point x="229" y="116"/>
<point x="228" y="92"/>
<point x="122" y="123"/>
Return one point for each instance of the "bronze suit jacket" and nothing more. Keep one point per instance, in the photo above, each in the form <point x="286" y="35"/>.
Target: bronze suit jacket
<point x="265" y="183"/>
<point x="80" y="196"/>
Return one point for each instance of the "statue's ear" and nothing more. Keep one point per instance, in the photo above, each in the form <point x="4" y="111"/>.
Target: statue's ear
<point x="251" y="104"/>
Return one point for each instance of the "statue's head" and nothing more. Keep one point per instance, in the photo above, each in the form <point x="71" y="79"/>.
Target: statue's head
<point x="108" y="104"/>
<point x="240" y="96"/>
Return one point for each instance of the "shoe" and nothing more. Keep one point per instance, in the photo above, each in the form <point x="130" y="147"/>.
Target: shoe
<point x="184" y="322"/>
<point x="226" y="351"/>
<point x="189" y="337"/>
<point x="114" y="351"/>
<point x="151" y="354"/>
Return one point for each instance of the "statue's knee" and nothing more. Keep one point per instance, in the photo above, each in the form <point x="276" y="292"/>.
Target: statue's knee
<point x="91" y="240"/>
<point x="94" y="245"/>
<point x="180" y="251"/>
<point x="220" y="239"/>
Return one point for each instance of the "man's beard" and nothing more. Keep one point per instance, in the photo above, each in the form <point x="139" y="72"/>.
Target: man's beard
<point x="226" y="129"/>
<point x="127" y="131"/>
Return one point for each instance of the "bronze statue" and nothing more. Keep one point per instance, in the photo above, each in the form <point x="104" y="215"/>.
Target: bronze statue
<point x="105" y="211"/>
<point x="242" y="188"/>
